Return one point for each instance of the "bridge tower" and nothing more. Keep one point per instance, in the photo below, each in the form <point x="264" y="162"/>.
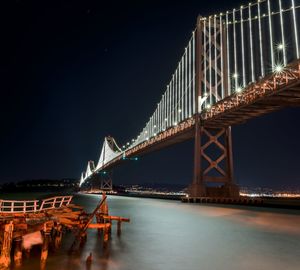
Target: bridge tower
<point x="213" y="161"/>
<point x="106" y="181"/>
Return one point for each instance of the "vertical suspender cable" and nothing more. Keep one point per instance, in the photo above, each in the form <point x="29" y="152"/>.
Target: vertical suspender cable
<point x="190" y="79"/>
<point x="209" y="61"/>
<point x="251" y="45"/>
<point x="182" y="89"/>
<point x="186" y="84"/>
<point x="156" y="119"/>
<point x="221" y="53"/>
<point x="162" y="112"/>
<point x="151" y="125"/>
<point x="228" y="56"/>
<point x="179" y="92"/>
<point x="171" y="101"/>
<point x="176" y="96"/>
<point x="216" y="59"/>
<point x="282" y="34"/>
<point x="243" y="46"/>
<point x="194" y="73"/>
<point x="204" y="58"/>
<point x="260" y="40"/>
<point x="168" y="105"/>
<point x="159" y="115"/>
<point x="295" y="28"/>
<point x="234" y="52"/>
<point x="165" y="112"/>
<point x="166" y="108"/>
<point x="271" y="35"/>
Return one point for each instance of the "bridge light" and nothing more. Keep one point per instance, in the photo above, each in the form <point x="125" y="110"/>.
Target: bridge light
<point x="280" y="46"/>
<point x="175" y="123"/>
<point x="205" y="94"/>
<point x="208" y="106"/>
<point x="235" y="75"/>
<point x="128" y="143"/>
<point x="239" y="90"/>
<point x="146" y="132"/>
<point x="154" y="126"/>
<point x="166" y="119"/>
<point x="147" y="139"/>
<point x="278" y="68"/>
<point x="179" y="110"/>
<point x="154" y="134"/>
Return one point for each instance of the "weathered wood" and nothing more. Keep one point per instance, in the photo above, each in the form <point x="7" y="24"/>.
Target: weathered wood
<point x="45" y="246"/>
<point x="6" y="246"/>
<point x="87" y="222"/>
<point x="99" y="225"/>
<point x="18" y="252"/>
<point x="25" y="229"/>
<point x="58" y="236"/>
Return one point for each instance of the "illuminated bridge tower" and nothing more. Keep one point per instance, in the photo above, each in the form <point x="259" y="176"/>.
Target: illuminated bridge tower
<point x="213" y="162"/>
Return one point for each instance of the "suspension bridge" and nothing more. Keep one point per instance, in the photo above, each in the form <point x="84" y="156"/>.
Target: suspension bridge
<point x="237" y="65"/>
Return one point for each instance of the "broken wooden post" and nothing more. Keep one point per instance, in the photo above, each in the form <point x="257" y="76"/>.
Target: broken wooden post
<point x="105" y="236"/>
<point x="6" y="246"/>
<point x="58" y="236"/>
<point x="18" y="251"/>
<point x="45" y="246"/>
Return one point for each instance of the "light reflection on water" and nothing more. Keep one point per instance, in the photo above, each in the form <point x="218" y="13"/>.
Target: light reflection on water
<point x="169" y="235"/>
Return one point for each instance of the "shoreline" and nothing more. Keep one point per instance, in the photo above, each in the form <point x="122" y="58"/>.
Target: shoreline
<point x="280" y="203"/>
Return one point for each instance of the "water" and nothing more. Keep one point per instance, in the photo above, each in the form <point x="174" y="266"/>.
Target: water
<point x="169" y="235"/>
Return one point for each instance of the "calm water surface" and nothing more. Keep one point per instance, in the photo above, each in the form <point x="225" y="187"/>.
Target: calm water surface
<point x="169" y="235"/>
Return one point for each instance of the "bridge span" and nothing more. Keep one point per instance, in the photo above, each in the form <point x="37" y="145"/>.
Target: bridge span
<point x="236" y="66"/>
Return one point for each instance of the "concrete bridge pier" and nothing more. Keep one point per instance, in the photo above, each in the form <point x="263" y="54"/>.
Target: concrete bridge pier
<point x="213" y="163"/>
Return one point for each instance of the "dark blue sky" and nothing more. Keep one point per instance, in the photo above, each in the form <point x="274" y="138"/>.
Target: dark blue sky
<point x="73" y="72"/>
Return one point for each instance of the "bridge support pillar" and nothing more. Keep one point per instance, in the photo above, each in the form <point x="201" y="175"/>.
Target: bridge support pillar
<point x="106" y="181"/>
<point x="213" y="164"/>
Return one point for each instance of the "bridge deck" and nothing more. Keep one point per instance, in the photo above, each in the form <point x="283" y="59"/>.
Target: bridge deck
<point x="272" y="93"/>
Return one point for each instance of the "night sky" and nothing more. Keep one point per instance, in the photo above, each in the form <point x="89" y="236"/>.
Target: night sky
<point x="73" y="72"/>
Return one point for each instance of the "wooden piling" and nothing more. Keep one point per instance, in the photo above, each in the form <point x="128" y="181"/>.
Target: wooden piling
<point x="18" y="251"/>
<point x="105" y="237"/>
<point x="58" y="236"/>
<point x="45" y="246"/>
<point x="52" y="219"/>
<point x="6" y="246"/>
